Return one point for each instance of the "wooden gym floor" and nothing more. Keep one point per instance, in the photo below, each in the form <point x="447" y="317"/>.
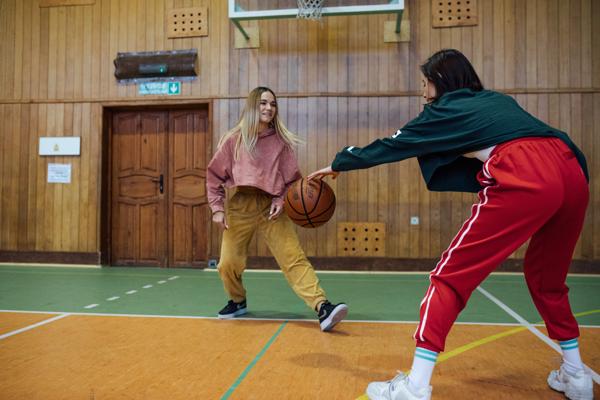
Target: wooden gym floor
<point x="142" y="333"/>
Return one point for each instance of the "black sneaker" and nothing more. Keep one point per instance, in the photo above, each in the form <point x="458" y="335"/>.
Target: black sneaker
<point x="331" y="314"/>
<point x="232" y="310"/>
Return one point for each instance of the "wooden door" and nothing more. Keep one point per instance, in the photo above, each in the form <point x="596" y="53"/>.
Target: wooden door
<point x="159" y="210"/>
<point x="188" y="206"/>
<point x="138" y="209"/>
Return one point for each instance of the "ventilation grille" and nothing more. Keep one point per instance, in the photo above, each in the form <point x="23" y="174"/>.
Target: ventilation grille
<point x="361" y="239"/>
<point x="188" y="22"/>
<point x="447" y="13"/>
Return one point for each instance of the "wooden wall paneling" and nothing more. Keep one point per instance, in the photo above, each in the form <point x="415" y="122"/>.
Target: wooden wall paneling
<point x="225" y="45"/>
<point x="397" y="225"/>
<point x="352" y="139"/>
<point x="509" y="43"/>
<point x="321" y="158"/>
<point x="18" y="52"/>
<point x="3" y="160"/>
<point x="552" y="51"/>
<point x="128" y="38"/>
<point x="95" y="176"/>
<point x="542" y="45"/>
<point x="531" y="45"/>
<point x="111" y="24"/>
<point x="38" y="210"/>
<point x="11" y="169"/>
<point x="574" y="54"/>
<point x="576" y="134"/>
<point x="499" y="49"/>
<point x="323" y="55"/>
<point x="29" y="179"/>
<point x="384" y="184"/>
<point x="563" y="44"/>
<point x="39" y="50"/>
<point x="68" y="42"/>
<point x="595" y="16"/>
<point x="586" y="114"/>
<point x="414" y="192"/>
<point x="105" y="37"/>
<point x="82" y="129"/>
<point x="586" y="43"/>
<point x="85" y="15"/>
<point x="313" y="132"/>
<point x="5" y="46"/>
<point x="371" y="132"/>
<point x="91" y="51"/>
<point x="594" y="165"/>
<point x="486" y="13"/>
<point x="51" y="189"/>
<point x="520" y="79"/>
<point x="61" y="52"/>
<point x="28" y="38"/>
<point x="373" y="59"/>
<point x="332" y="147"/>
<point x="52" y="52"/>
<point x="362" y="176"/>
<point x="120" y="41"/>
<point x="342" y="189"/>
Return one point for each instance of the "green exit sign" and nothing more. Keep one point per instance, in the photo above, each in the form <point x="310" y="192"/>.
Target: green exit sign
<point x="161" y="88"/>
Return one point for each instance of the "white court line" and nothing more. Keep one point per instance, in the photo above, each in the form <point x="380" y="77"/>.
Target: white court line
<point x="147" y="286"/>
<point x="131" y="292"/>
<point x="44" y="322"/>
<point x="91" y="306"/>
<point x="113" y="298"/>
<point x="173" y="277"/>
<point x="531" y="328"/>
<point x="508" y="324"/>
<point x="161" y="282"/>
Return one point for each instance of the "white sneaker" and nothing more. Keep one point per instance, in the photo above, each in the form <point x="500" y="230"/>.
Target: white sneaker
<point x="575" y="387"/>
<point x="396" y="389"/>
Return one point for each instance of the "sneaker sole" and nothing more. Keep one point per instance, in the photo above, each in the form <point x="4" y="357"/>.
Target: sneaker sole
<point x="339" y="313"/>
<point x="239" y="312"/>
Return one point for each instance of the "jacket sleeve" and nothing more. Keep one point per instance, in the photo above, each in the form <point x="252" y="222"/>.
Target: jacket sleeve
<point x="437" y="129"/>
<point x="217" y="173"/>
<point x="288" y="164"/>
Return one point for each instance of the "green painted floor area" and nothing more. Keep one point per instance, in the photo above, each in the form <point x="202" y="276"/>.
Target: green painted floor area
<point x="371" y="297"/>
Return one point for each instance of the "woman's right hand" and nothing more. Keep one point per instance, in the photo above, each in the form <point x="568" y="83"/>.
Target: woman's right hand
<point x="219" y="219"/>
<point x="323" y="172"/>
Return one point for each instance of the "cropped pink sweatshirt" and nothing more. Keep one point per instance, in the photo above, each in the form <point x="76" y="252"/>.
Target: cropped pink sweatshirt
<point x="272" y="168"/>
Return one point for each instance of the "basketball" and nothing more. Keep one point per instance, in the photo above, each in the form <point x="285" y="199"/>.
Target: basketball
<point x="309" y="203"/>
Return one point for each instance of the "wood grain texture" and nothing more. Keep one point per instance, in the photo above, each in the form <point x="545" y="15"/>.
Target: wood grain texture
<point x="338" y="84"/>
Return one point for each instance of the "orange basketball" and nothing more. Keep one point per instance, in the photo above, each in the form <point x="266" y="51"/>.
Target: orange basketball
<point x="309" y="203"/>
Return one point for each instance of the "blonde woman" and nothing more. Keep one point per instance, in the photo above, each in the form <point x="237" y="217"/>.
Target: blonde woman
<point x="256" y="158"/>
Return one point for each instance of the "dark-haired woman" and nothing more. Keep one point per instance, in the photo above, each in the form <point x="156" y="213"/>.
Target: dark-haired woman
<point x="531" y="181"/>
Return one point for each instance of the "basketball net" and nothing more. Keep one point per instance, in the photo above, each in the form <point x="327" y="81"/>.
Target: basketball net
<point x="310" y="9"/>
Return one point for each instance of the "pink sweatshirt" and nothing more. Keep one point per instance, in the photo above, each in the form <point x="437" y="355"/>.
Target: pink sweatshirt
<point x="272" y="169"/>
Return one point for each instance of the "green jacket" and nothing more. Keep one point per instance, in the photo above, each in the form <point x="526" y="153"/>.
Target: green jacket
<point x="459" y="122"/>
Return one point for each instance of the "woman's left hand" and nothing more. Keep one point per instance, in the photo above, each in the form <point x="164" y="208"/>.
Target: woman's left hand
<point x="275" y="211"/>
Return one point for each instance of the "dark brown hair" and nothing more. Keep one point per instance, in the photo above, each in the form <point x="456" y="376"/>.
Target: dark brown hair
<point x="450" y="70"/>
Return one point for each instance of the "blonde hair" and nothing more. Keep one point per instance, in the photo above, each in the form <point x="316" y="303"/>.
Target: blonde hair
<point x="249" y="122"/>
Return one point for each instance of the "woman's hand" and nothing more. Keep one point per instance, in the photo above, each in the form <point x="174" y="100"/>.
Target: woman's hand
<point x="219" y="219"/>
<point x="323" y="172"/>
<point x="275" y="211"/>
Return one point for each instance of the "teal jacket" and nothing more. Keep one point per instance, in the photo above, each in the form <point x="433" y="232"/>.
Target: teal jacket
<point x="459" y="122"/>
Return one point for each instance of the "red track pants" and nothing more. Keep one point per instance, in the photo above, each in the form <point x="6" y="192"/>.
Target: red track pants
<point x="533" y="188"/>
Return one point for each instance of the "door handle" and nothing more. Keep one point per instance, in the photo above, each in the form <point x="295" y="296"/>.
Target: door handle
<point x="161" y="181"/>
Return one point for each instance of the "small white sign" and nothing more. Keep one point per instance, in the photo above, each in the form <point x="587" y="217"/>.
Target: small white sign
<point x="59" y="173"/>
<point x="60" y="146"/>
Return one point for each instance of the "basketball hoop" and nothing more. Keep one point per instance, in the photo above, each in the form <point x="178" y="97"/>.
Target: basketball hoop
<point x="310" y="9"/>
